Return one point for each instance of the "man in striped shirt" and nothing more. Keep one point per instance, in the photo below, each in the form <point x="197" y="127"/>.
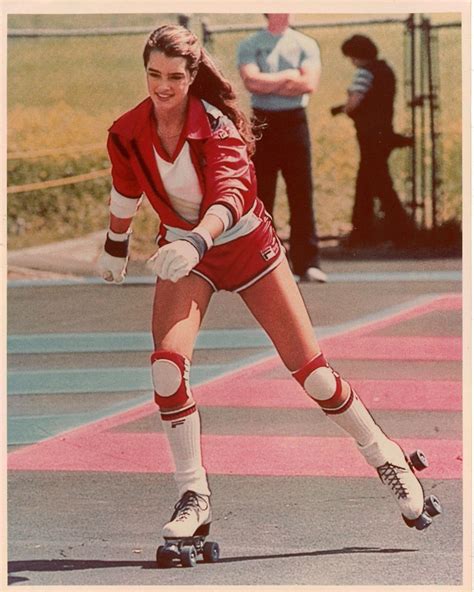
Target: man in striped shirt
<point x="370" y="104"/>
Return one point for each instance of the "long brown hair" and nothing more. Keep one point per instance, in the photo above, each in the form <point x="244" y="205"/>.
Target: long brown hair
<point x="209" y="83"/>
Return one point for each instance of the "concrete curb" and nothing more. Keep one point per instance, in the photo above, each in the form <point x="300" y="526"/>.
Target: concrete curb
<point x="65" y="259"/>
<point x="71" y="257"/>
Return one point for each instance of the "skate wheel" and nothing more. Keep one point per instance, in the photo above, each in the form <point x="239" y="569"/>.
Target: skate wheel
<point x="211" y="552"/>
<point x="188" y="556"/>
<point x="419" y="460"/>
<point x="433" y="506"/>
<point x="162" y="557"/>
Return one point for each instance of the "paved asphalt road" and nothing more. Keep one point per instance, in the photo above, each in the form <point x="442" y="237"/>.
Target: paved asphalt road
<point x="89" y="474"/>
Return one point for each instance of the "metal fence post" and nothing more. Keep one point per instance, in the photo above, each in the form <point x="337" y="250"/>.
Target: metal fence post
<point x="433" y="111"/>
<point x="206" y="33"/>
<point x="410" y="88"/>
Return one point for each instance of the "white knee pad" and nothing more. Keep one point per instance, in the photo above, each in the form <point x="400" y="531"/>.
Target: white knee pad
<point x="166" y="376"/>
<point x="170" y="375"/>
<point x="324" y="385"/>
<point x="320" y="384"/>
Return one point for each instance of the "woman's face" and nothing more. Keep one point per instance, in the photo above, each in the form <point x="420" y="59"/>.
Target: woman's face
<point x="168" y="81"/>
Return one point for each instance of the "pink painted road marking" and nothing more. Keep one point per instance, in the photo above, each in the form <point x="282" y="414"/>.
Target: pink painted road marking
<point x="95" y="447"/>
<point x="227" y="455"/>
<point x="394" y="348"/>
<point x="265" y="391"/>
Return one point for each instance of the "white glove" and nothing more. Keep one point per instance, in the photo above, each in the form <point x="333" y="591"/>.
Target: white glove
<point x="111" y="267"/>
<point x="175" y="260"/>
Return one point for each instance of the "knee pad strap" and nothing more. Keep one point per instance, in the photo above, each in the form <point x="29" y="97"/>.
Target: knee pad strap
<point x="170" y="375"/>
<point x="324" y="385"/>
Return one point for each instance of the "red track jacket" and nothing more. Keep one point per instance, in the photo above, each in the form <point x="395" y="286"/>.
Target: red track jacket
<point x="218" y="153"/>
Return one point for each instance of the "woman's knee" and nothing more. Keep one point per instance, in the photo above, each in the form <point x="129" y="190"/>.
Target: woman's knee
<point x="170" y="376"/>
<point x="324" y="385"/>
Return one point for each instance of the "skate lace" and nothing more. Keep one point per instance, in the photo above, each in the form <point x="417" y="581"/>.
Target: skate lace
<point x="390" y="474"/>
<point x="190" y="502"/>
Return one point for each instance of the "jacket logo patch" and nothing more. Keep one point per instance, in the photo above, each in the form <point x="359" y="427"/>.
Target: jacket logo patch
<point x="222" y="134"/>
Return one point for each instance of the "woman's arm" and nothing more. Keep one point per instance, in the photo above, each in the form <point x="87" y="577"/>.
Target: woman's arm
<point x="212" y="224"/>
<point x="229" y="176"/>
<point x="125" y="198"/>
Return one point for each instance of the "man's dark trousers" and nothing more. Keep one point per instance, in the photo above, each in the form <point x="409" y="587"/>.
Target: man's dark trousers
<point x="374" y="180"/>
<point x="285" y="146"/>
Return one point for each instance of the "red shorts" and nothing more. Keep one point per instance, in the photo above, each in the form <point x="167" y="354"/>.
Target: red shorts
<point x="237" y="264"/>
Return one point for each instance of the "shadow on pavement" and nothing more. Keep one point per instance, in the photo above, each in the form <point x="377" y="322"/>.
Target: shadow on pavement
<point x="39" y="565"/>
<point x="344" y="551"/>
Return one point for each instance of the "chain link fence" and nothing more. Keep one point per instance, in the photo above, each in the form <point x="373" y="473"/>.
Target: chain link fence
<point x="428" y="106"/>
<point x="65" y="88"/>
<point x="448" y="116"/>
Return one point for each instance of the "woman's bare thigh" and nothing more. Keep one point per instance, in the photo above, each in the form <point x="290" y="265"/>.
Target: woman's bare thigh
<point x="178" y="311"/>
<point x="277" y="304"/>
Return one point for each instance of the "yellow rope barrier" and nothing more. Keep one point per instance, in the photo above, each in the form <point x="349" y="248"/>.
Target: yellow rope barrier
<point x="58" y="182"/>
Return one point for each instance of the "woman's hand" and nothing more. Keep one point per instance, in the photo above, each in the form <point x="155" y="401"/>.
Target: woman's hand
<point x="114" y="258"/>
<point x="174" y="260"/>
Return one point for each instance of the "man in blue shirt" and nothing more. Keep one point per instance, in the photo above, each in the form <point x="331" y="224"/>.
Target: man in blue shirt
<point x="281" y="67"/>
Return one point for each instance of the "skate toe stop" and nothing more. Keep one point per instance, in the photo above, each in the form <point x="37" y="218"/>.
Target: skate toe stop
<point x="420" y="523"/>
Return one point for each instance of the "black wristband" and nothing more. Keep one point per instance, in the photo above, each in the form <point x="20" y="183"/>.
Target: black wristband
<point x="116" y="248"/>
<point x="198" y="242"/>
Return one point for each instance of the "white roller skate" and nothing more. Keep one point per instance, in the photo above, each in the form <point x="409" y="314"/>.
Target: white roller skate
<point x="185" y="533"/>
<point x="397" y="472"/>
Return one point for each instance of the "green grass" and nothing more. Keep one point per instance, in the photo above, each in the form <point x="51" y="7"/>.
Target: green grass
<point x="67" y="91"/>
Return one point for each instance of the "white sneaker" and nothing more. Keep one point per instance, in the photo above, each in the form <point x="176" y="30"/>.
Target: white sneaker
<point x="395" y="473"/>
<point x="314" y="274"/>
<point x="192" y="512"/>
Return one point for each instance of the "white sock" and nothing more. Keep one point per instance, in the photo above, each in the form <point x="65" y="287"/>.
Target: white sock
<point x="358" y="423"/>
<point x="184" y="438"/>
